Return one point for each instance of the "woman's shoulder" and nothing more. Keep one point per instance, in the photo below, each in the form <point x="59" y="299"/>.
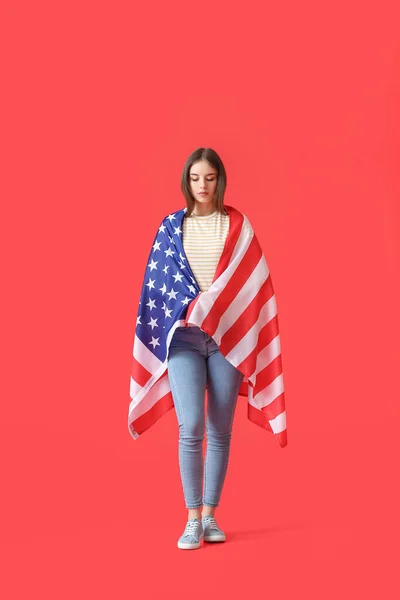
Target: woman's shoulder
<point x="173" y="215"/>
<point x="238" y="213"/>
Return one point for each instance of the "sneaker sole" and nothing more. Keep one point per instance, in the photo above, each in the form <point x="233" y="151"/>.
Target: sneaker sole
<point x="184" y="546"/>
<point x="214" y="538"/>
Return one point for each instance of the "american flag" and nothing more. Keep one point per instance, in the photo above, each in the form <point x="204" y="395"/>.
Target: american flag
<point x="238" y="310"/>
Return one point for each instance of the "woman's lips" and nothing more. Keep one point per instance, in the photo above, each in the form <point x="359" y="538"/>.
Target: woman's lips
<point x="203" y="194"/>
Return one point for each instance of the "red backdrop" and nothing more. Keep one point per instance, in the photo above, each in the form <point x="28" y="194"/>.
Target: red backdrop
<point x="102" y="104"/>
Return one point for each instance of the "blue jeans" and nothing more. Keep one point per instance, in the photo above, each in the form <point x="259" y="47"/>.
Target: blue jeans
<point x="195" y="360"/>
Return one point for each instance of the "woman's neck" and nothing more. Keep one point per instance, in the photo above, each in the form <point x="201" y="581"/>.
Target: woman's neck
<point x="203" y="211"/>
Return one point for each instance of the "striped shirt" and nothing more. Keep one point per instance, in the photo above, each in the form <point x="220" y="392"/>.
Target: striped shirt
<point x="203" y="240"/>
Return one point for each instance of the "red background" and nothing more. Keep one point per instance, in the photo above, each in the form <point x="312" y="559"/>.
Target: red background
<point x="102" y="104"/>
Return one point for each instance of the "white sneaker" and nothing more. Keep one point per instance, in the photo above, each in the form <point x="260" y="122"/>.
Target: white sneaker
<point x="192" y="536"/>
<point x="212" y="533"/>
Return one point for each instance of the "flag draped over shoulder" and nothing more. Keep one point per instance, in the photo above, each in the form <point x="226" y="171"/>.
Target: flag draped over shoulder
<point x="238" y="311"/>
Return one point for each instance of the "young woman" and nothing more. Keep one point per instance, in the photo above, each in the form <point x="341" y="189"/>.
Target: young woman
<point x="207" y="319"/>
<point x="195" y="360"/>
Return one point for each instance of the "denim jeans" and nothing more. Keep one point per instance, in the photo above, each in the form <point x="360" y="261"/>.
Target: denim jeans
<point x="195" y="360"/>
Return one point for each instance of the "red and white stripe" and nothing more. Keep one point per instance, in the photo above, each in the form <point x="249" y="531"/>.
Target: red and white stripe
<point x="239" y="311"/>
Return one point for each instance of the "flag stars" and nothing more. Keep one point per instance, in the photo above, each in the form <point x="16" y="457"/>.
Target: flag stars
<point x="153" y="323"/>
<point x="154" y="342"/>
<point x="178" y="277"/>
<point x="150" y="283"/>
<point x="151" y="303"/>
<point x="156" y="246"/>
<point x="172" y="293"/>
<point x="152" y="265"/>
<point x="170" y="285"/>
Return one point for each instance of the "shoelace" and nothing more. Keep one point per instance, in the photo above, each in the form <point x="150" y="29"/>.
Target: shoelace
<point x="191" y="528"/>
<point x="211" y="523"/>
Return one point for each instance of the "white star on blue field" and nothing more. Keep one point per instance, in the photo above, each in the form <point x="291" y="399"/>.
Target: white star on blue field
<point x="169" y="286"/>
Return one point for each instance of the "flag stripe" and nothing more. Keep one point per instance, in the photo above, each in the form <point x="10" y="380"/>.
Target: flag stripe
<point x="269" y="350"/>
<point x="275" y="408"/>
<point x="145" y="357"/>
<point x="139" y="374"/>
<point x="236" y="219"/>
<point x="269" y="374"/>
<point x="147" y="419"/>
<point x="279" y="423"/>
<point x="237" y="293"/>
<point x="157" y="391"/>
<point x="250" y="313"/>
<point x="249" y="340"/>
<point x="267" y="334"/>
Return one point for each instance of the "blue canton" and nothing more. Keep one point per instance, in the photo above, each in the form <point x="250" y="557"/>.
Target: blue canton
<point x="168" y="287"/>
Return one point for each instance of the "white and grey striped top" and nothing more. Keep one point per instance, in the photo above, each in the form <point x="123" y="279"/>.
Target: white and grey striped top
<point x="203" y="241"/>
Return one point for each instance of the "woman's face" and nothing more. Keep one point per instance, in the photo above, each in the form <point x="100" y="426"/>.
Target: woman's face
<point x="203" y="178"/>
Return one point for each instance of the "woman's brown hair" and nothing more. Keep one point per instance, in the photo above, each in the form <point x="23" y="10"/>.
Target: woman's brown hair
<point x="212" y="157"/>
